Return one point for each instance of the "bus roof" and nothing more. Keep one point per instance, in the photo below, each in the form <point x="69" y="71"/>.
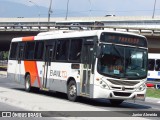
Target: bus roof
<point x="69" y="34"/>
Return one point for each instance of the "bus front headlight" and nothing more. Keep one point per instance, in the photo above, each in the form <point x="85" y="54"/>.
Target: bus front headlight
<point x="103" y="84"/>
<point x="141" y="87"/>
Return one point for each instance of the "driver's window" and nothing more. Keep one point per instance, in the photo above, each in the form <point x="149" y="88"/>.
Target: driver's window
<point x="136" y="59"/>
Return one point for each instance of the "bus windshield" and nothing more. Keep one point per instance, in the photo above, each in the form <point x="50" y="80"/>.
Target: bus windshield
<point x="122" y="62"/>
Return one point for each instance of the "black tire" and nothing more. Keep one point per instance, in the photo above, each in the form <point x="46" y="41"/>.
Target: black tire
<point x="28" y="83"/>
<point x="72" y="91"/>
<point x="115" y="102"/>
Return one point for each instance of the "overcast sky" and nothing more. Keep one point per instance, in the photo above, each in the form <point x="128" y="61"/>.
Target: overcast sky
<point x="98" y="7"/>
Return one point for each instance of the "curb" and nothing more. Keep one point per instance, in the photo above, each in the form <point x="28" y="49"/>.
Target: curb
<point x="152" y="100"/>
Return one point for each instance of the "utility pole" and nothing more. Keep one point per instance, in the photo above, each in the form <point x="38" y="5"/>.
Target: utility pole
<point x="37" y="9"/>
<point x="154" y="9"/>
<point x="67" y="10"/>
<point x="90" y="8"/>
<point x="49" y="11"/>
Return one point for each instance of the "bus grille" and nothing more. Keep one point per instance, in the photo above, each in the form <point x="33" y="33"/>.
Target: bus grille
<point x="120" y="82"/>
<point x="119" y="88"/>
<point x="121" y="94"/>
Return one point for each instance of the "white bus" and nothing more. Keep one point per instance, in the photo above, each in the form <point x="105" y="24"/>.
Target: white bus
<point x="154" y="68"/>
<point x="93" y="64"/>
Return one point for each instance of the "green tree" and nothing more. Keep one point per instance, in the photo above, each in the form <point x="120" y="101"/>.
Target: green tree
<point x="5" y="55"/>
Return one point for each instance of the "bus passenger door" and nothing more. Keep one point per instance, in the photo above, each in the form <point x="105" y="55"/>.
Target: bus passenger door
<point x="19" y="67"/>
<point x="47" y="65"/>
<point x="86" y="72"/>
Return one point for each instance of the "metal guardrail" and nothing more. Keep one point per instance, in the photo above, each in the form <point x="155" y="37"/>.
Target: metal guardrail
<point x="3" y="62"/>
<point x="49" y="27"/>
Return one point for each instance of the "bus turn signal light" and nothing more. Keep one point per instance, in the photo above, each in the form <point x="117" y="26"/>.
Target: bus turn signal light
<point x="97" y="79"/>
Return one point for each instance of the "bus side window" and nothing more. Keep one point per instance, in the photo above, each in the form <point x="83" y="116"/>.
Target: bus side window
<point x="30" y="50"/>
<point x="13" y="51"/>
<point x="39" y="50"/>
<point x="151" y="64"/>
<point x="75" y="50"/>
<point x="157" y="68"/>
<point x="62" y="50"/>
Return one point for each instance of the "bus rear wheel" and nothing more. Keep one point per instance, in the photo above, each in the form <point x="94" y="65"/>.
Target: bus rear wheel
<point x="72" y="91"/>
<point x="115" y="102"/>
<point x="28" y="83"/>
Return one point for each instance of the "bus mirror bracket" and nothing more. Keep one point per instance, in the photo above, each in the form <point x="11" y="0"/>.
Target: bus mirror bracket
<point x="98" y="52"/>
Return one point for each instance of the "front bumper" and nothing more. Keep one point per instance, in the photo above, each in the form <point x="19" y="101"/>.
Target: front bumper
<point x="118" y="94"/>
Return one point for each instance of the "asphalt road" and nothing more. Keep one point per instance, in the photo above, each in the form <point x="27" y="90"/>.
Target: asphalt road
<point x="6" y="107"/>
<point x="103" y="103"/>
<point x="98" y="103"/>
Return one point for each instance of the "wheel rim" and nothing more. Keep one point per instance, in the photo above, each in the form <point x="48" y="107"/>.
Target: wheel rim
<point x="72" y="90"/>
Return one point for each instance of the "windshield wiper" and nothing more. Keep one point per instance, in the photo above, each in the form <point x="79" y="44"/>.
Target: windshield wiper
<point x="135" y="67"/>
<point x="132" y="74"/>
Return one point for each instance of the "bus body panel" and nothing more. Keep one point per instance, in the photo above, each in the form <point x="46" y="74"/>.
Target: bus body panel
<point x="153" y="75"/>
<point x="16" y="74"/>
<point x="59" y="74"/>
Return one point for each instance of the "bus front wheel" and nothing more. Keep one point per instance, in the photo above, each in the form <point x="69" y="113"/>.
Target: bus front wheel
<point x="72" y="91"/>
<point x="115" y="102"/>
<point x="28" y="83"/>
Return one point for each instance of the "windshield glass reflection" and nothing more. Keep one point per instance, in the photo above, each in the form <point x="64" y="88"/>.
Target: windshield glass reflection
<point x="122" y="62"/>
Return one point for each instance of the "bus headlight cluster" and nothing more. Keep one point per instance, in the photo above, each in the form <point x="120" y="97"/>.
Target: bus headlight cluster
<point x="141" y="87"/>
<point x="103" y="84"/>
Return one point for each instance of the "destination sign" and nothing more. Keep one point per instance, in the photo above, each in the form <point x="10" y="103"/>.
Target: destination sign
<point x="123" y="39"/>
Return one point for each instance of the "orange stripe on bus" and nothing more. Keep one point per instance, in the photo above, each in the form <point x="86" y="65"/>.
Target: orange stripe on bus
<point x="30" y="38"/>
<point x="31" y="67"/>
<point x="37" y="74"/>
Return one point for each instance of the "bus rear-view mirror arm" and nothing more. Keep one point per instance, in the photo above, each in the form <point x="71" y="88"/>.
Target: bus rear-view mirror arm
<point x="98" y="52"/>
